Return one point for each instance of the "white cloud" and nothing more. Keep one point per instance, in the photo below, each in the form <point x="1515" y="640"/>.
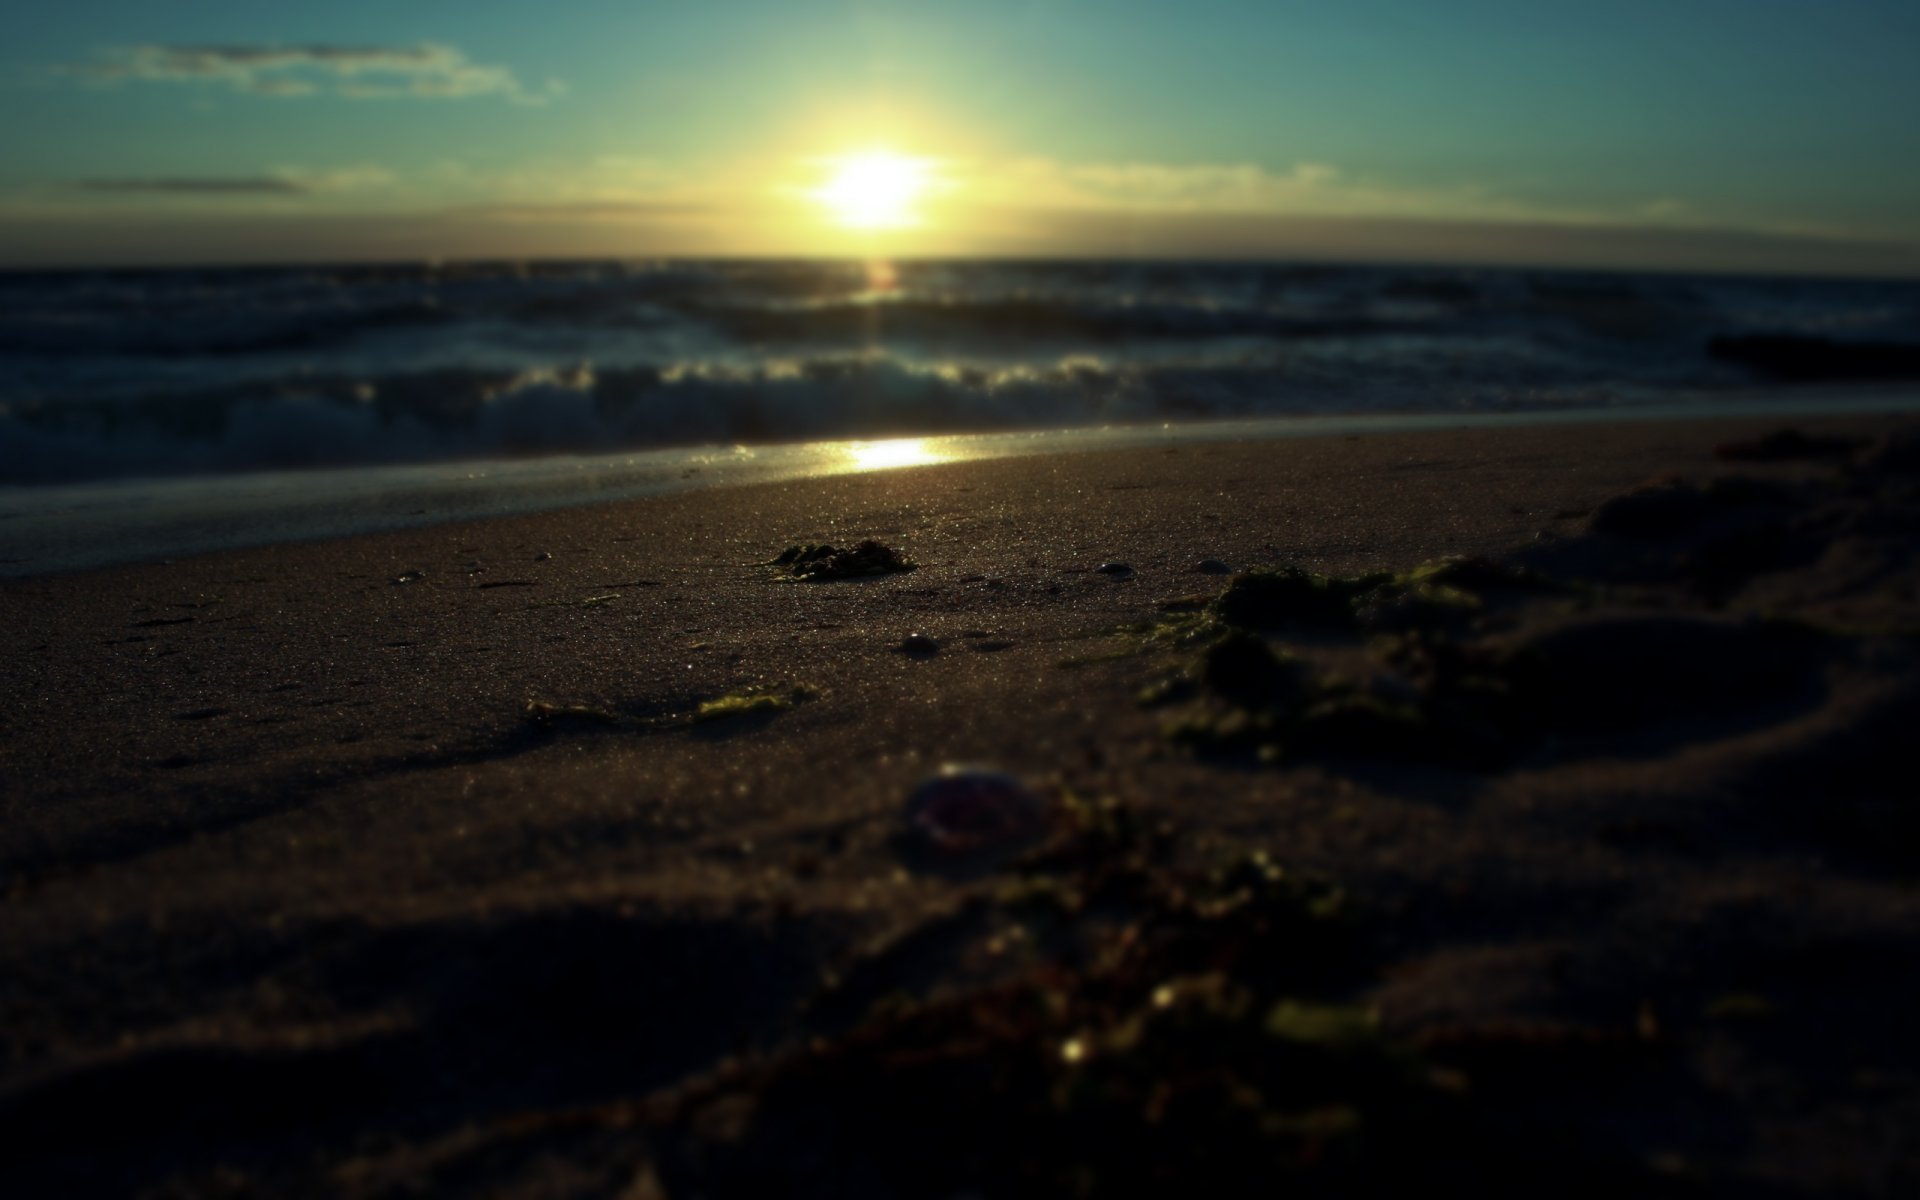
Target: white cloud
<point x="332" y="180"/>
<point x="1306" y="189"/>
<point x="426" y="71"/>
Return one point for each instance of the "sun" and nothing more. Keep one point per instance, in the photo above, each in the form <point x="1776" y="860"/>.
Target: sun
<point x="875" y="190"/>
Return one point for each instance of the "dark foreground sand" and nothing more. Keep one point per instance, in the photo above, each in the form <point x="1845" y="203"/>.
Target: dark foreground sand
<point x="1591" y="875"/>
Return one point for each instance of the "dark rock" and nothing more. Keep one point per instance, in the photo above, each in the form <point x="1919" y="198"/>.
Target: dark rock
<point x="1115" y="570"/>
<point x="1212" y="566"/>
<point x="1811" y="358"/>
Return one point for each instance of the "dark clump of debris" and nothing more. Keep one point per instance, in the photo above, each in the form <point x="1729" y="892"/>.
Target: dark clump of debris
<point x="1431" y="687"/>
<point x="1291" y="596"/>
<point x="1571" y="647"/>
<point x="1167" y="1027"/>
<point x="820" y="563"/>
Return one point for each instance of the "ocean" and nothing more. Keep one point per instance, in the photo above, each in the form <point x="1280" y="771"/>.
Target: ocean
<point x="121" y="391"/>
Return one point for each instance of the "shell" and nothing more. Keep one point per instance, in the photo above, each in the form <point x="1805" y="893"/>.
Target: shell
<point x="963" y="808"/>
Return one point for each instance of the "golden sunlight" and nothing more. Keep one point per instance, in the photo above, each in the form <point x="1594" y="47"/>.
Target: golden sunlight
<point x="895" y="452"/>
<point x="875" y="190"/>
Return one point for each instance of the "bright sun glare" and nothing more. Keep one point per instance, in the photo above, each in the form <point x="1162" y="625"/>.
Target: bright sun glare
<point x="875" y="190"/>
<point x="894" y="452"/>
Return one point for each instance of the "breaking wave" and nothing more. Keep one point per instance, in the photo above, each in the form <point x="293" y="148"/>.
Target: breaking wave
<point x="106" y="374"/>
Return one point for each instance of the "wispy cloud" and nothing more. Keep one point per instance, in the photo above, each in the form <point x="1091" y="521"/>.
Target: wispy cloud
<point x="1307" y="188"/>
<point x="291" y="181"/>
<point x="185" y="186"/>
<point x="1319" y="190"/>
<point x="587" y="210"/>
<point x="426" y="71"/>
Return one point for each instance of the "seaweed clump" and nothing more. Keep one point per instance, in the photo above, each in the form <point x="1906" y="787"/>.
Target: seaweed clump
<point x="1442" y="683"/>
<point x="1482" y="704"/>
<point x="1286" y="596"/>
<point x="1316" y="714"/>
<point x="821" y="563"/>
<point x="1204" y="1012"/>
<point x="1276" y="705"/>
<point x="1293" y="597"/>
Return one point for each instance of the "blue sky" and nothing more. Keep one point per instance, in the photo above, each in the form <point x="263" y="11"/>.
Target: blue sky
<point x="1767" y="134"/>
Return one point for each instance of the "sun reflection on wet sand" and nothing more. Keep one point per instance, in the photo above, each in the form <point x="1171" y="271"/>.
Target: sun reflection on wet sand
<point x="894" y="452"/>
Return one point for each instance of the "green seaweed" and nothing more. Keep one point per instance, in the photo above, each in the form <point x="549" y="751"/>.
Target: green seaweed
<point x="1339" y="1025"/>
<point x="766" y="701"/>
<point x="1171" y="688"/>
<point x="1476" y="574"/>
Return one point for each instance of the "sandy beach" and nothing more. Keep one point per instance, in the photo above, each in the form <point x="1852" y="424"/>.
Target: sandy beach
<point x="430" y="860"/>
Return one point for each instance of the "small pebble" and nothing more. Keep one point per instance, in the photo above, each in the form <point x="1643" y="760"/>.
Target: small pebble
<point x="543" y="556"/>
<point x="919" y="643"/>
<point x="409" y="577"/>
<point x="1212" y="566"/>
<point x="1115" y="570"/>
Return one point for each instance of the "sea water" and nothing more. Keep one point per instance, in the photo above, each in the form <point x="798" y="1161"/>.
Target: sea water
<point x="228" y="407"/>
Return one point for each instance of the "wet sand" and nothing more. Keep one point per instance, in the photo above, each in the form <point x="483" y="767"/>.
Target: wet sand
<point x="400" y="861"/>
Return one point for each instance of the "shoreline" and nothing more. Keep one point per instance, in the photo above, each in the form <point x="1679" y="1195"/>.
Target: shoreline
<point x="46" y="529"/>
